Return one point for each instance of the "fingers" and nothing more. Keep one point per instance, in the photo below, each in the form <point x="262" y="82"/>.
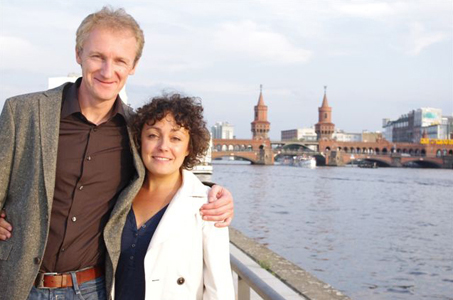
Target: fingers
<point x="217" y="205"/>
<point x="215" y="192"/>
<point x="218" y="215"/>
<point x="5" y="227"/>
<point x="224" y="223"/>
<point x="4" y="233"/>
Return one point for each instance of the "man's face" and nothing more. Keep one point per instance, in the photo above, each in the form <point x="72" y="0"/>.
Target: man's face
<point x="107" y="59"/>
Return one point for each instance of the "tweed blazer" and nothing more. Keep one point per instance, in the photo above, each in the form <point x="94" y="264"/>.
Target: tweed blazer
<point x="29" y="130"/>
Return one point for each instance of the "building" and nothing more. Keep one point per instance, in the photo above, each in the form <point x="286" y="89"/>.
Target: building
<point x="387" y="125"/>
<point x="260" y="125"/>
<point x="324" y="128"/>
<point x="409" y="127"/>
<point x="222" y="130"/>
<point x="371" y="137"/>
<point x="299" y="134"/>
<point x="425" y="117"/>
<point x="442" y="131"/>
<point x="341" y="136"/>
<point x="53" y="82"/>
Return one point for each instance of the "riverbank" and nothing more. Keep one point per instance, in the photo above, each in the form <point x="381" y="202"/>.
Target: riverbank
<point x="295" y="277"/>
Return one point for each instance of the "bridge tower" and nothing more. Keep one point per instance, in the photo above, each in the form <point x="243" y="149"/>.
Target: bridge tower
<point x="324" y="128"/>
<point x="260" y="125"/>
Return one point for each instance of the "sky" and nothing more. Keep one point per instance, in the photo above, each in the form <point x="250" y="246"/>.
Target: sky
<point x="378" y="59"/>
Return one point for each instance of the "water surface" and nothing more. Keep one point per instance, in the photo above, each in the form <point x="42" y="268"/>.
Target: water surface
<point x="382" y="233"/>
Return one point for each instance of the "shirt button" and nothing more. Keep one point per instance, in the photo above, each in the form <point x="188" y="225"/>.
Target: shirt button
<point x="74" y="219"/>
<point x="62" y="249"/>
<point x="144" y="226"/>
<point x="37" y="260"/>
<point x="132" y="257"/>
<point x="88" y="157"/>
<point x="95" y="129"/>
<point x="133" y="245"/>
<point x="81" y="187"/>
<point x="181" y="280"/>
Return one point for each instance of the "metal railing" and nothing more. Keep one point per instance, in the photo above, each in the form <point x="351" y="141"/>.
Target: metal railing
<point x="248" y="280"/>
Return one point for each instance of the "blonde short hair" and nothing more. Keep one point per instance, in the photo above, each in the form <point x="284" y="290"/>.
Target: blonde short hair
<point x="114" y="19"/>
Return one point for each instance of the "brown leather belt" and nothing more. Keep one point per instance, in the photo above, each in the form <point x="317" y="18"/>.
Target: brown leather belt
<point x="56" y="280"/>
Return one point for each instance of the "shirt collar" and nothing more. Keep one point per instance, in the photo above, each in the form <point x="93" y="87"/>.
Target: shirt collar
<point x="71" y="103"/>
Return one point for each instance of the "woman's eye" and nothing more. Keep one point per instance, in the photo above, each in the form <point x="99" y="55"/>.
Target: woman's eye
<point x="176" y="139"/>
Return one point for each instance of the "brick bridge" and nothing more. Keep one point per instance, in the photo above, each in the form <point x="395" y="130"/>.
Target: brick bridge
<point x="332" y="153"/>
<point x="434" y="154"/>
<point x="257" y="151"/>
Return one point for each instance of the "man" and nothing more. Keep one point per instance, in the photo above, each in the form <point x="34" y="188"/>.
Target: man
<point x="69" y="172"/>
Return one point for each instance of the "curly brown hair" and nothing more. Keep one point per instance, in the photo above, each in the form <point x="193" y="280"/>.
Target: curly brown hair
<point x="188" y="113"/>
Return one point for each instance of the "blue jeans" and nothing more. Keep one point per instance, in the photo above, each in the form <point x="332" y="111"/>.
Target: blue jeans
<point x="90" y="290"/>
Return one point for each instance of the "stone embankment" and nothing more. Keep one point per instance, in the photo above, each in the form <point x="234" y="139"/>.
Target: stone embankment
<point x="293" y="276"/>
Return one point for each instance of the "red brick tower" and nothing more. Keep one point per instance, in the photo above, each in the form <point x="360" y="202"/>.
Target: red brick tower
<point x="324" y="128"/>
<point x="260" y="126"/>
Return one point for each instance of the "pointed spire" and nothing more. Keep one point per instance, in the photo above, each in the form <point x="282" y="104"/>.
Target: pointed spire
<point x="425" y="134"/>
<point x="324" y="101"/>
<point x="260" y="100"/>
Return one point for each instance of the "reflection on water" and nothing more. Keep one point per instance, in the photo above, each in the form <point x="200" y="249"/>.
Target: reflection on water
<point x="371" y="233"/>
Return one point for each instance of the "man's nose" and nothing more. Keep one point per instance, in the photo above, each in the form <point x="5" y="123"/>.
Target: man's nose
<point x="107" y="69"/>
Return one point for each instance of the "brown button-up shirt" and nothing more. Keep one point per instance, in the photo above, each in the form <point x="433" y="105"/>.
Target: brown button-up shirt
<point x="94" y="164"/>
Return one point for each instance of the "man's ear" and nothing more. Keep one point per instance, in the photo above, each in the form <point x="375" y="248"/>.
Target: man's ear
<point x="132" y="71"/>
<point x="78" y="54"/>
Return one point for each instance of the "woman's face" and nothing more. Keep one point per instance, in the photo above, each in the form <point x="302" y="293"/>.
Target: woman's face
<point x="164" y="146"/>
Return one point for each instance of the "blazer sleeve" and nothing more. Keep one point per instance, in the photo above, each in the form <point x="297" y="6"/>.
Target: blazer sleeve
<point x="217" y="276"/>
<point x="7" y="134"/>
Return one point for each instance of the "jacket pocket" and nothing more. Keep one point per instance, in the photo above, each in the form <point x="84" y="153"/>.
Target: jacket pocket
<point x="5" y="249"/>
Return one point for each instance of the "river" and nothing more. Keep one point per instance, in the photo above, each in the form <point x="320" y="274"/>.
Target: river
<point x="373" y="234"/>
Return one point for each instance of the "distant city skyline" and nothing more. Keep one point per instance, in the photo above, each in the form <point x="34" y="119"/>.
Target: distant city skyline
<point x="379" y="59"/>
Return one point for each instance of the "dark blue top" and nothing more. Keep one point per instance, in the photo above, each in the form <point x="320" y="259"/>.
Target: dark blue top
<point x="130" y="274"/>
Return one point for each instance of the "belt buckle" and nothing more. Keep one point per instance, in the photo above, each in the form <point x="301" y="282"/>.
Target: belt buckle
<point x="40" y="278"/>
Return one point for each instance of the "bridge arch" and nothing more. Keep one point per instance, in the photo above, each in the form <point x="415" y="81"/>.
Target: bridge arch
<point x="422" y="164"/>
<point x="379" y="162"/>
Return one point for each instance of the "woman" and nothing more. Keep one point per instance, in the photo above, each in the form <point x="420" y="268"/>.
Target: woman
<point x="167" y="250"/>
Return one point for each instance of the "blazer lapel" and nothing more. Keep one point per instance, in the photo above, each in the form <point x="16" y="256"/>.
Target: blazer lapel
<point x="49" y="123"/>
<point x="180" y="209"/>
<point x="114" y="227"/>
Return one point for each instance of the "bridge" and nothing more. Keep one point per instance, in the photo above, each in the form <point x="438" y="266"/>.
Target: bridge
<point x="388" y="154"/>
<point x="333" y="153"/>
<point x="256" y="151"/>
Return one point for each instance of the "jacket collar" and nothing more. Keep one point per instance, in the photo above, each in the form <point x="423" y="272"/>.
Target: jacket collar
<point x="49" y="112"/>
<point x="185" y="205"/>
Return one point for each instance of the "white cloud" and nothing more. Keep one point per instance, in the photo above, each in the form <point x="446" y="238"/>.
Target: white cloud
<point x="246" y="38"/>
<point x="365" y="9"/>
<point x="420" y="38"/>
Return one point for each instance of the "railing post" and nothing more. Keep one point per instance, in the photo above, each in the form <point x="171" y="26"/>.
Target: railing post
<point x="243" y="289"/>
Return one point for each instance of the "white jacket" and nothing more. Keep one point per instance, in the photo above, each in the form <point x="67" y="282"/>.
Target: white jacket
<point x="188" y="258"/>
